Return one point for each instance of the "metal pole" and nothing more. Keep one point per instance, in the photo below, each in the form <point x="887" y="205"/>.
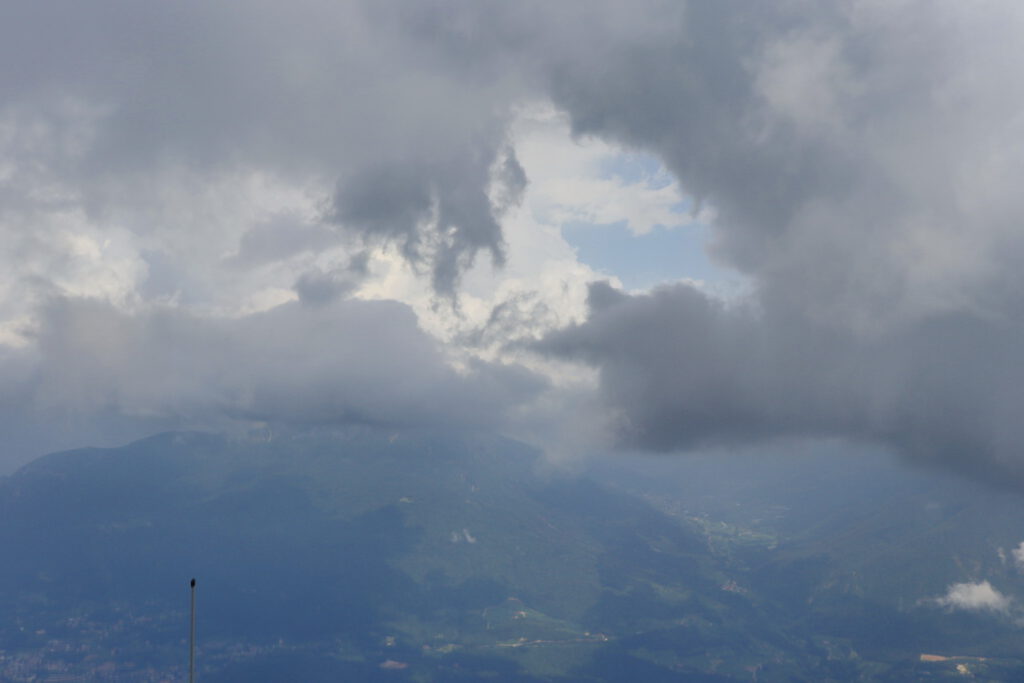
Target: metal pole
<point x="192" y="638"/>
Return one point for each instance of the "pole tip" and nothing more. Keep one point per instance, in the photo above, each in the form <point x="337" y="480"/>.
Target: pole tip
<point x="193" y="583"/>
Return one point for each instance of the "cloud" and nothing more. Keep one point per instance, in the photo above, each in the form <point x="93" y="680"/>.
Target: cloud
<point x="679" y="368"/>
<point x="339" y="362"/>
<point x="316" y="286"/>
<point x="346" y="100"/>
<point x="843" y="161"/>
<point x="198" y="165"/>
<point x="1018" y="556"/>
<point x="975" y="597"/>
<point x="863" y="183"/>
<point x="348" y="361"/>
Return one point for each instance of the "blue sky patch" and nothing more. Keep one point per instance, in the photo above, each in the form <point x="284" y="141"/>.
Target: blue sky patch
<point x="642" y="261"/>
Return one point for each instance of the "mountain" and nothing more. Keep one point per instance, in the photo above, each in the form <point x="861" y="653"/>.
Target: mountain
<point x="859" y="550"/>
<point x="366" y="555"/>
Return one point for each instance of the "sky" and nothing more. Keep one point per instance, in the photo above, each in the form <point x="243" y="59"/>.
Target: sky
<point x="599" y="226"/>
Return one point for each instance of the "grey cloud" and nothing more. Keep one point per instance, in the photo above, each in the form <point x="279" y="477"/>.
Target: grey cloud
<point x="859" y="178"/>
<point x="818" y="132"/>
<point x="865" y="184"/>
<point x="679" y="370"/>
<point x="403" y="107"/>
<point x="439" y="214"/>
<point x="163" y="278"/>
<point x="344" y="361"/>
<point x="862" y="160"/>
<point x="339" y="93"/>
<point x="516" y="321"/>
<point x="318" y="287"/>
<point x="280" y="238"/>
<point x="510" y="180"/>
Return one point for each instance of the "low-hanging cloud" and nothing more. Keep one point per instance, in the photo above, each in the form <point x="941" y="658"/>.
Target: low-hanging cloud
<point x="974" y="597"/>
<point x="339" y="362"/>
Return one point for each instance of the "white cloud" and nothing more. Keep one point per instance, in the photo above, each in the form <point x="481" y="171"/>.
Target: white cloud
<point x="977" y="597"/>
<point x="1018" y="556"/>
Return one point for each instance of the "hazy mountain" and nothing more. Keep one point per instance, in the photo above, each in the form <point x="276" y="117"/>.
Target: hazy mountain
<point x="361" y="555"/>
<point x="859" y="550"/>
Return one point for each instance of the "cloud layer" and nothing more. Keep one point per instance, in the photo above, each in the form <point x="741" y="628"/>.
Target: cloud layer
<point x="680" y="369"/>
<point x="176" y="177"/>
<point x="364" y="362"/>
<point x="863" y="182"/>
